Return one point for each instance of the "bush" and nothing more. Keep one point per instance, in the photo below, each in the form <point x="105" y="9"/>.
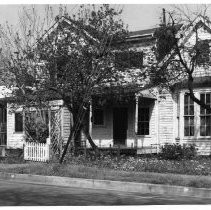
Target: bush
<point x="178" y="152"/>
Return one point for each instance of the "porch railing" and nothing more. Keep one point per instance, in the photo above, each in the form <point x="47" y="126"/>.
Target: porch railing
<point x="36" y="151"/>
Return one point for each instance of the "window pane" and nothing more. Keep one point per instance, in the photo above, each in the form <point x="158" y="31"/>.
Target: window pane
<point x="208" y="120"/>
<point x="191" y="121"/>
<point x="186" y="110"/>
<point x="202" y="111"/>
<point x="186" y="99"/>
<point x="202" y="130"/>
<point x="186" y="121"/>
<point x="202" y="97"/>
<point x="203" y="121"/>
<point x="18" y="122"/>
<point x="208" y="98"/>
<point x="191" y="101"/>
<point x="191" y="110"/>
<point x="186" y="131"/>
<point x="191" y="130"/>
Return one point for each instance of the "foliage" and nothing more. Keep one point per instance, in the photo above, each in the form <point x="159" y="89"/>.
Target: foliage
<point x="178" y="58"/>
<point x="178" y="152"/>
<point x="67" y="62"/>
<point x="166" y="40"/>
<point x="36" y="128"/>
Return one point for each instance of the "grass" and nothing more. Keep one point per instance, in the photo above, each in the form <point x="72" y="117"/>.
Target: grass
<point x="81" y="171"/>
<point x="192" y="173"/>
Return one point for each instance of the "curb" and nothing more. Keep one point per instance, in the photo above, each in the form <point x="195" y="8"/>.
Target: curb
<point x="108" y="185"/>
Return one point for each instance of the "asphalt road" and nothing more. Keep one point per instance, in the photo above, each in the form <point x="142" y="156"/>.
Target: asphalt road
<point x="27" y="194"/>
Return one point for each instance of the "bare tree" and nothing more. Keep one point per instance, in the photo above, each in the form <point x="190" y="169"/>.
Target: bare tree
<point x="67" y="61"/>
<point x="178" y="60"/>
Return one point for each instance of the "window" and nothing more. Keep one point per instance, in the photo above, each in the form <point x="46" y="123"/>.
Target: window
<point x="143" y="121"/>
<point x="188" y="116"/>
<point x="204" y="51"/>
<point x="18" y="122"/>
<point x="131" y="59"/>
<point x="205" y="115"/>
<point x="98" y="115"/>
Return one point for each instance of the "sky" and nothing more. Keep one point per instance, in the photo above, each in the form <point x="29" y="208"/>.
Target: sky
<point x="136" y="16"/>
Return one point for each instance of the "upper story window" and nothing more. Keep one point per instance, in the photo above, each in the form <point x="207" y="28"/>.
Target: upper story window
<point x="129" y="59"/>
<point x="205" y="115"/>
<point x="188" y="116"/>
<point x="143" y="121"/>
<point x="204" y="52"/>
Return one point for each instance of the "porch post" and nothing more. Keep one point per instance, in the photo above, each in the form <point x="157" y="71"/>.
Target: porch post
<point x="136" y="115"/>
<point x="157" y="123"/>
<point x="90" y="118"/>
<point x="49" y="126"/>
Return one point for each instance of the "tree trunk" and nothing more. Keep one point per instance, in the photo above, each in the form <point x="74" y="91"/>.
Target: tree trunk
<point x="72" y="132"/>
<point x="89" y="138"/>
<point x="67" y="144"/>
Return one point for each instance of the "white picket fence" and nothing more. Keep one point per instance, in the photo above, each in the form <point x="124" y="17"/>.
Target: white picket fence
<point x="36" y="151"/>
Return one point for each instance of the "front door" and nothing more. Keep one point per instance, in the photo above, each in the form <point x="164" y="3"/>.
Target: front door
<point x="120" y="123"/>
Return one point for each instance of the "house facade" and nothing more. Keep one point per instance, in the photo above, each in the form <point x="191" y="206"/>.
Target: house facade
<point x="143" y="118"/>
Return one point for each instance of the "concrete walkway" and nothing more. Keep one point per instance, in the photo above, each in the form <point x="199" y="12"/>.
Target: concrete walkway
<point x="109" y="185"/>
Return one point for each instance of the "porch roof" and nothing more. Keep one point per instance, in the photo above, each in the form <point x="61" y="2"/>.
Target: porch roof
<point x="146" y="94"/>
<point x="126" y="90"/>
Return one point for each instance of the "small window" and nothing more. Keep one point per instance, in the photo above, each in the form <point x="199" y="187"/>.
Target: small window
<point x="204" y="52"/>
<point x="188" y="116"/>
<point x="18" y="122"/>
<point x="129" y="59"/>
<point x="143" y="121"/>
<point x="98" y="116"/>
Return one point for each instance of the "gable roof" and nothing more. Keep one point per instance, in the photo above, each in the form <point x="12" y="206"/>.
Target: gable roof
<point x="186" y="31"/>
<point x="69" y="22"/>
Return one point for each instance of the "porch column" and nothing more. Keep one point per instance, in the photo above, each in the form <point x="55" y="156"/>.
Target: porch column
<point x="136" y="115"/>
<point x="157" y="122"/>
<point x="49" y="126"/>
<point x="90" y="118"/>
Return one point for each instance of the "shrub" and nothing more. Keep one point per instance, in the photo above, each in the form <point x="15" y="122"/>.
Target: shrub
<point x="178" y="152"/>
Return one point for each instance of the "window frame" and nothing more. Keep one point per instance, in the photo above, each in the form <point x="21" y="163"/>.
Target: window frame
<point x="203" y="113"/>
<point x="15" y="127"/>
<point x="188" y="115"/>
<point x="204" y="56"/>
<point x="139" y="121"/>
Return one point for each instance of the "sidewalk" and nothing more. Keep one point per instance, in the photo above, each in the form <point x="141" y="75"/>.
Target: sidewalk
<point x="108" y="185"/>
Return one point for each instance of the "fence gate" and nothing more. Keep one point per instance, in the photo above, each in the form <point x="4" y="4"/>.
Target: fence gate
<point x="36" y="151"/>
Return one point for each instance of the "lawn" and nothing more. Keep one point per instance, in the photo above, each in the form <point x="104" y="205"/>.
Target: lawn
<point x="192" y="173"/>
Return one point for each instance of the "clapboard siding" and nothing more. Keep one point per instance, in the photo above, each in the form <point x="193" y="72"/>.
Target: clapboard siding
<point x="66" y="124"/>
<point x="166" y="119"/>
<point x="14" y="140"/>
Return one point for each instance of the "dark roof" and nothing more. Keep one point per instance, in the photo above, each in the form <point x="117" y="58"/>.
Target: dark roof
<point x="197" y="82"/>
<point x="142" y="32"/>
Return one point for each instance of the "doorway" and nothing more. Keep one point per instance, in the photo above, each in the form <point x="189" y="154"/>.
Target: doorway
<point x="120" y="125"/>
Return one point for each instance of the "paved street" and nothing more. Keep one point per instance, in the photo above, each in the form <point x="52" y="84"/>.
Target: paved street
<point x="24" y="194"/>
